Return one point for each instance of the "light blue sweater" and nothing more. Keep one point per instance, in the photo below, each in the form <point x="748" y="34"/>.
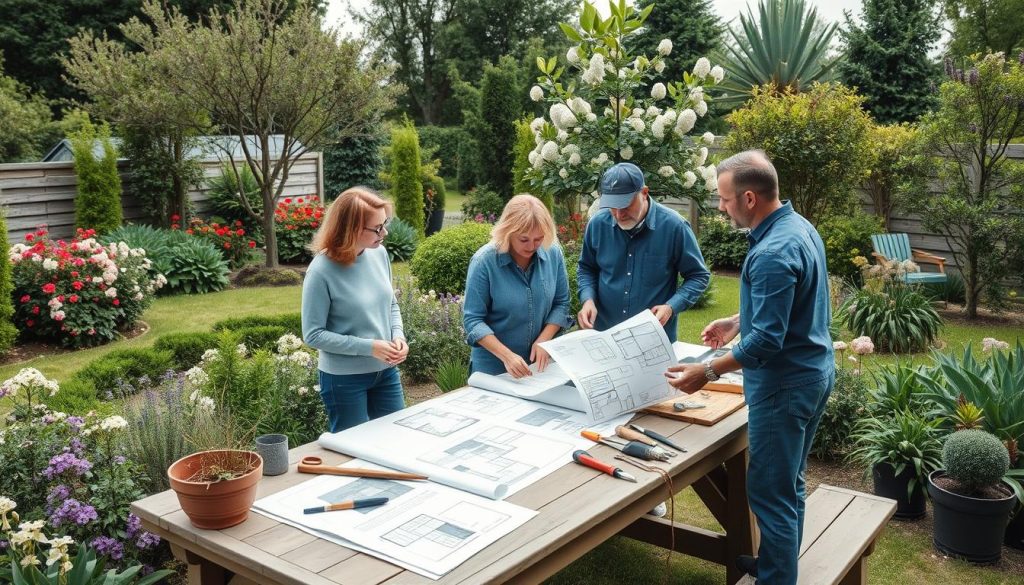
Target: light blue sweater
<point x="345" y="308"/>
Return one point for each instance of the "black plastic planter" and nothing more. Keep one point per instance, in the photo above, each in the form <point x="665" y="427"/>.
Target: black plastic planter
<point x="434" y="221"/>
<point x="890" y="485"/>
<point x="968" y="528"/>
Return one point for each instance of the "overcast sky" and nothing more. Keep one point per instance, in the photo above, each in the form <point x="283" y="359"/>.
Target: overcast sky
<point x="728" y="10"/>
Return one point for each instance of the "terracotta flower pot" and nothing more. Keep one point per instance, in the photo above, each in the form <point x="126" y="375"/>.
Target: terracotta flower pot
<point x="215" y="504"/>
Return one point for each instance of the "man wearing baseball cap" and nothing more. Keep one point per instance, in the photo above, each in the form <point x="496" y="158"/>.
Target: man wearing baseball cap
<point x="632" y="256"/>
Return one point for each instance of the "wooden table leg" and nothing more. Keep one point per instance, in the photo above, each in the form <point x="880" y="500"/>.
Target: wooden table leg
<point x="200" y="570"/>
<point x="740" y="528"/>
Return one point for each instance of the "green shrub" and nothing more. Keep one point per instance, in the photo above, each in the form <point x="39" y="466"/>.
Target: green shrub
<point x="722" y="245"/>
<point x="902" y="439"/>
<point x="401" y="241"/>
<point x="157" y="430"/>
<point x="260" y="337"/>
<point x="444" y="141"/>
<point x="434" y="193"/>
<point x="433" y="328"/>
<point x="186" y="348"/>
<point x="571" y="252"/>
<point x="76" y="396"/>
<point x="224" y="201"/>
<point x="896" y="316"/>
<point x="196" y="267"/>
<point x="406" y="185"/>
<point x="98" y="197"/>
<point x="817" y="139"/>
<point x="974" y="458"/>
<point x="482" y="205"/>
<point x="117" y="374"/>
<point x="500" y="97"/>
<point x="897" y="388"/>
<point x="847" y="236"/>
<point x="468" y="174"/>
<point x="291" y="322"/>
<point x="353" y="161"/>
<point x="263" y="276"/>
<point x="451" y="375"/>
<point x="8" y="332"/>
<point x="441" y="261"/>
<point x="842" y="411"/>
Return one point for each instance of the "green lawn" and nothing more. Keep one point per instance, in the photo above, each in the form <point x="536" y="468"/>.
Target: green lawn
<point x="453" y="200"/>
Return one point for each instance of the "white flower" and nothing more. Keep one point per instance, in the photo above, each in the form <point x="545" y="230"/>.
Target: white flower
<point x="536" y="93"/>
<point x="113" y="423"/>
<point x="701" y="156"/>
<point x="536" y="125"/>
<point x="288" y="343"/>
<point x="590" y="118"/>
<point x="7" y="504"/>
<point x="701" y="107"/>
<point x="209" y="355"/>
<point x="839" y="345"/>
<point x="689" y="179"/>
<point x="563" y="173"/>
<point x="550" y="151"/>
<point x="562" y="136"/>
<point x="599" y="159"/>
<point x="532" y="157"/>
<point x="97" y="279"/>
<point x="659" y="66"/>
<point x="50" y="264"/>
<point x="653" y="112"/>
<point x="687" y="118"/>
<point x="697" y="94"/>
<point x="111" y="292"/>
<point x="196" y="377"/>
<point x="708" y="138"/>
<point x="717" y="73"/>
<point x="637" y="124"/>
<point x="658" y="127"/>
<point x="702" y="67"/>
<point x="302" y="358"/>
<point x="302" y="390"/>
<point x="241" y="350"/>
<point x="561" y="116"/>
<point x="626" y="152"/>
<point x="57" y="315"/>
<point x="574" y="159"/>
<point x="594" y="74"/>
<point x="862" y="345"/>
<point x="666" y="171"/>
<point x="580" y="106"/>
<point x="665" y="47"/>
<point x="658" y="91"/>
<point x="573" y="55"/>
<point x="636" y="113"/>
<point x="991" y="343"/>
<point x="206" y="403"/>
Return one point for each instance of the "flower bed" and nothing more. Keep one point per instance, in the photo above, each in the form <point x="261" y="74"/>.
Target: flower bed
<point x="295" y="222"/>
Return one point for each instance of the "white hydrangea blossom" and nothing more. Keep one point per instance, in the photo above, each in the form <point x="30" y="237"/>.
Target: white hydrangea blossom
<point x="626" y="152"/>
<point x="550" y="151"/>
<point x="574" y="159"/>
<point x="536" y="125"/>
<point x="637" y="124"/>
<point x="701" y="107"/>
<point x="562" y="172"/>
<point x="659" y="66"/>
<point x="687" y="118"/>
<point x="562" y="117"/>
<point x="595" y="72"/>
<point x="700" y="156"/>
<point x="717" y="73"/>
<point x="708" y="138"/>
<point x="665" y="47"/>
<point x="689" y="179"/>
<point x="573" y="55"/>
<point x="702" y="67"/>
<point x="536" y="93"/>
<point x="658" y="91"/>
<point x="666" y="171"/>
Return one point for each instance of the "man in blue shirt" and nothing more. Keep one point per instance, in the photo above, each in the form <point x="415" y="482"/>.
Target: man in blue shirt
<point x="633" y="254"/>
<point x="785" y="351"/>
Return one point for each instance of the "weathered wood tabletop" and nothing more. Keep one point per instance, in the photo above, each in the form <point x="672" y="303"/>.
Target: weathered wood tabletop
<point x="578" y="508"/>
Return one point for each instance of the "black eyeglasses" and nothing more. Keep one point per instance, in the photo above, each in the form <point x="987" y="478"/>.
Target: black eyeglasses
<point x="377" y="230"/>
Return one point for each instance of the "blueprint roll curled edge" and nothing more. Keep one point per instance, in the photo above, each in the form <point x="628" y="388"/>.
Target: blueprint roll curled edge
<point x="351" y="444"/>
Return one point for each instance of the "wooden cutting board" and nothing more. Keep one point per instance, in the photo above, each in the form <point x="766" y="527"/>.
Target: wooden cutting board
<point x="718" y="406"/>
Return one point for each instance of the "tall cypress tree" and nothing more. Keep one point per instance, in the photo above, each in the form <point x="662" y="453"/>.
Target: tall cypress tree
<point x="693" y="26"/>
<point x="500" y="107"/>
<point x="887" y="57"/>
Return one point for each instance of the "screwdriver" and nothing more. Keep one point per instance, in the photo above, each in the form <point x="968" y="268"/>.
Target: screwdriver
<point x="629" y="448"/>
<point x="583" y="458"/>
<point x="658" y="437"/>
<point x="631" y="435"/>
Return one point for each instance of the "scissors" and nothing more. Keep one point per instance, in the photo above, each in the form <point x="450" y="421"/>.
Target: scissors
<point x="313" y="464"/>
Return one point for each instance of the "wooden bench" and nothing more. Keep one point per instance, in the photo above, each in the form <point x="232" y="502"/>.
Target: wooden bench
<point x="840" y="530"/>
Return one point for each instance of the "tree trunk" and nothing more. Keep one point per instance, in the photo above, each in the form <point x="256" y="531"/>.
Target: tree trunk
<point x="269" y="237"/>
<point x="179" y="205"/>
<point x="971" y="289"/>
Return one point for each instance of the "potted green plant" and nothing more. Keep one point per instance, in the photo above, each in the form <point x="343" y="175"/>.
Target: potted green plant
<point x="971" y="501"/>
<point x="434" y="196"/>
<point x="899" y="451"/>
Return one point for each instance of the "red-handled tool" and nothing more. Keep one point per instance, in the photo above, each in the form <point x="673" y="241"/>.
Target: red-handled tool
<point x="583" y="458"/>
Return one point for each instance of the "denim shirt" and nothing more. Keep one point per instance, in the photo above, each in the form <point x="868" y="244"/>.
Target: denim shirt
<point x="785" y="309"/>
<point x="512" y="304"/>
<point x="625" y="274"/>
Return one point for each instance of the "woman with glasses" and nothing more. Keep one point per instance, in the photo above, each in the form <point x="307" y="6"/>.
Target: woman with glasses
<point x="517" y="291"/>
<point x="350" y="313"/>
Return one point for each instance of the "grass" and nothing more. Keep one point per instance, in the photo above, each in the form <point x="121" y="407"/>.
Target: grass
<point x="453" y="200"/>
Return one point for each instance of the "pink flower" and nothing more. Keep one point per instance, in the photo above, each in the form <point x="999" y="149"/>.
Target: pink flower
<point x="862" y="345"/>
<point x="49" y="288"/>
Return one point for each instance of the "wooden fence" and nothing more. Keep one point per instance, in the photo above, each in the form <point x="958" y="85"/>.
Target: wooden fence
<point x="43" y="193"/>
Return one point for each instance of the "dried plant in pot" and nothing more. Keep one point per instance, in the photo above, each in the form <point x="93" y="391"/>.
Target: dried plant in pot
<point x="971" y="500"/>
<point x="215" y="485"/>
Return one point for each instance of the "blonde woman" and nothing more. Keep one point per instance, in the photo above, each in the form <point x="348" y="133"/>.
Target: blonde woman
<point x="517" y="291"/>
<point x="350" y="313"/>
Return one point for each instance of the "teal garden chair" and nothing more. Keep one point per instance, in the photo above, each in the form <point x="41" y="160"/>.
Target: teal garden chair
<point x="891" y="247"/>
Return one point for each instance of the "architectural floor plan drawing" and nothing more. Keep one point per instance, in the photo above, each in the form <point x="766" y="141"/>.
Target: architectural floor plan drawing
<point x="437" y="422"/>
<point x="618" y="370"/>
<point x="365" y="487"/>
<point x="499" y="454"/>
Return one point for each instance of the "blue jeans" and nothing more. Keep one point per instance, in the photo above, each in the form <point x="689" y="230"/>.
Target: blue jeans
<point x="352" y="399"/>
<point x="781" y="429"/>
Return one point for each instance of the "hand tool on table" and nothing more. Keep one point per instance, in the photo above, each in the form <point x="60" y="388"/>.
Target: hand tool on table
<point x="658" y="437"/>
<point x="687" y="405"/>
<point x="629" y="447"/>
<point x="631" y="435"/>
<point x="312" y="464"/>
<point x="347" y="505"/>
<point x="583" y="458"/>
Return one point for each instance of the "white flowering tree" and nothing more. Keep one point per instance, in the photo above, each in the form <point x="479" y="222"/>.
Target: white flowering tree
<point x="607" y="105"/>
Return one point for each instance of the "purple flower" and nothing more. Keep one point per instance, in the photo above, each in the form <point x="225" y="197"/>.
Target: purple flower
<point x="108" y="547"/>
<point x="57" y="494"/>
<point x="133" y="527"/>
<point x="75" y="446"/>
<point x="72" y="511"/>
<point x="972" y="76"/>
<point x="75" y="421"/>
<point x="147" y="540"/>
<point x="66" y="462"/>
<point x="119" y="460"/>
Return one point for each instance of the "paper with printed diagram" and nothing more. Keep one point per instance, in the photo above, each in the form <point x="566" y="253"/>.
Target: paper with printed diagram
<point x="552" y="386"/>
<point x="484" y="443"/>
<point x="618" y="370"/>
<point x="425" y="527"/>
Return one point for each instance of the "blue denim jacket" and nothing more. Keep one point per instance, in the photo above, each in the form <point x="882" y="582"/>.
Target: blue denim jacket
<point x="785" y="309"/>
<point x="626" y="274"/>
<point x="511" y="303"/>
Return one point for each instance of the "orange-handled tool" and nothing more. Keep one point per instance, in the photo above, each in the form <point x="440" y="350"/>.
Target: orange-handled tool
<point x="633" y="448"/>
<point x="583" y="458"/>
<point x="313" y="464"/>
<point x="631" y="435"/>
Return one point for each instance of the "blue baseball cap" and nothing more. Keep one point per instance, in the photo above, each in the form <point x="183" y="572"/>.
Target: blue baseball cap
<point x="619" y="184"/>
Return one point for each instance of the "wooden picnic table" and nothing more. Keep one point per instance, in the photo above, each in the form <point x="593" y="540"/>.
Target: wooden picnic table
<point x="578" y="508"/>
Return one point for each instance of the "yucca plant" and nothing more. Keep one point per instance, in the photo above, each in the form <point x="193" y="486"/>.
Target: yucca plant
<point x="903" y="439"/>
<point x="896" y="316"/>
<point x="898" y="388"/>
<point x="784" y="45"/>
<point x="451" y="375"/>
